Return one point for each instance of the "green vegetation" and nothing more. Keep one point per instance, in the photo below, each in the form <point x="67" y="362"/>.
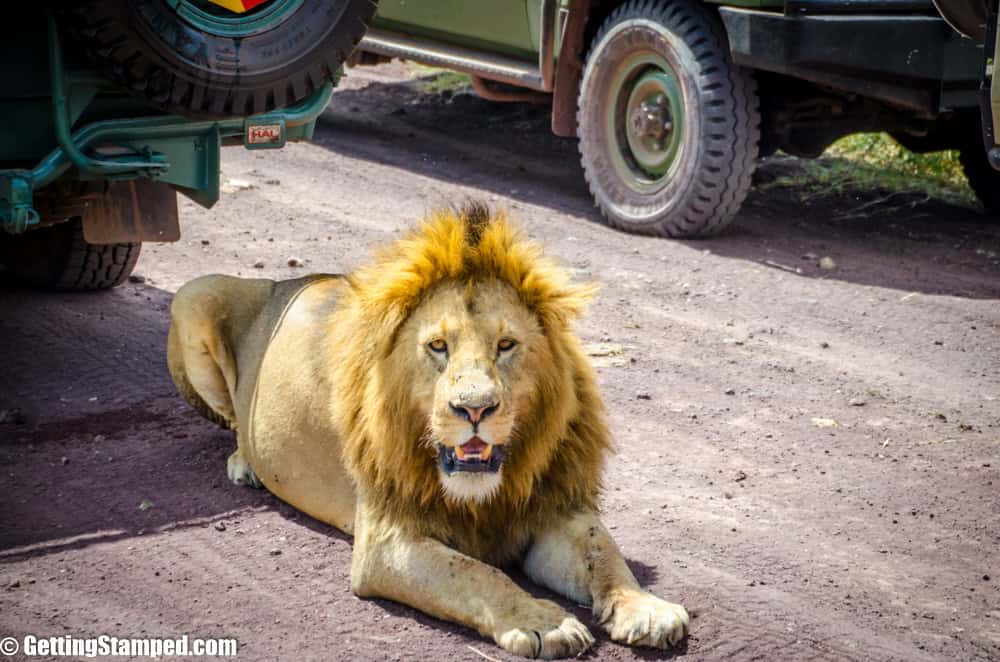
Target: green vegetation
<point x="432" y="80"/>
<point x="875" y="162"/>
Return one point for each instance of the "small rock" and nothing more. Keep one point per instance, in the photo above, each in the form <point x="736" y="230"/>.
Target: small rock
<point x="275" y="552"/>
<point x="728" y="495"/>
<point x="64" y="460"/>
<point x="740" y="476"/>
<point x="146" y="504"/>
<point x="827" y="262"/>
<point x="259" y="264"/>
<point x="98" y="438"/>
<point x="643" y="396"/>
<point x="233" y="185"/>
<point x="986" y="578"/>
<point x="603" y="349"/>
<point x="273" y="182"/>
<point x="219" y="526"/>
<point x="857" y="402"/>
<point x="824" y="422"/>
<point x="205" y="242"/>
<point x="14" y="584"/>
<point x="14" y="416"/>
<point x="730" y="391"/>
<point x="825" y="345"/>
<point x="295" y="262"/>
<point x="137" y="278"/>
<point x="809" y="256"/>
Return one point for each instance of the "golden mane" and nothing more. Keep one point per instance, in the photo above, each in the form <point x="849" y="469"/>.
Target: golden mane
<point x="560" y="443"/>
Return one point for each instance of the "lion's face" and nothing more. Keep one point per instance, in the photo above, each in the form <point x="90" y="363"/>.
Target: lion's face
<point x="471" y="350"/>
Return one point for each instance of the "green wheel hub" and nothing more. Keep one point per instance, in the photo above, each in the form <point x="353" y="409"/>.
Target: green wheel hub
<point x="646" y="121"/>
<point x="217" y="20"/>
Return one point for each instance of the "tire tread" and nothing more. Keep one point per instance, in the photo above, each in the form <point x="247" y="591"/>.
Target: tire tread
<point x="96" y="25"/>
<point x="723" y="178"/>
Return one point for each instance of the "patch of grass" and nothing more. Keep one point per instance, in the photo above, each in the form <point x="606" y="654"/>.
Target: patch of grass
<point x="432" y="80"/>
<point x="874" y="162"/>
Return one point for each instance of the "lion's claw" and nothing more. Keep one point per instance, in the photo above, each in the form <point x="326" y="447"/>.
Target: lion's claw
<point x="239" y="471"/>
<point x="547" y="632"/>
<point x="645" y="620"/>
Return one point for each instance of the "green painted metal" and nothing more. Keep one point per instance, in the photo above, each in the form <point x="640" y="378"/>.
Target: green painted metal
<point x="61" y="123"/>
<point x="16" y="211"/>
<point x="646" y="121"/>
<point x="189" y="147"/>
<point x="652" y="105"/>
<point x="499" y="26"/>
<point x="220" y="21"/>
<point x="167" y="148"/>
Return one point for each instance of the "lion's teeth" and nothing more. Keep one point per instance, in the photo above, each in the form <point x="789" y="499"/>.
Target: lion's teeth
<point x="485" y="455"/>
<point x="459" y="452"/>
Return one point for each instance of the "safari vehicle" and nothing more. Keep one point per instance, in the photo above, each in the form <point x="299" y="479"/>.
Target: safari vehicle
<point x="111" y="107"/>
<point x="673" y="101"/>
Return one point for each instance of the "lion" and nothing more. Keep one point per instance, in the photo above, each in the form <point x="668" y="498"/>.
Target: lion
<point x="438" y="405"/>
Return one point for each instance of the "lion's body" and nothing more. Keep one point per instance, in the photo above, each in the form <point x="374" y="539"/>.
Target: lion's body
<point x="272" y="331"/>
<point x="333" y="402"/>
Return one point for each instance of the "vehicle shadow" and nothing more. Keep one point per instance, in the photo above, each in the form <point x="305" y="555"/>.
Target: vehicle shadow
<point x="102" y="447"/>
<point x="904" y="242"/>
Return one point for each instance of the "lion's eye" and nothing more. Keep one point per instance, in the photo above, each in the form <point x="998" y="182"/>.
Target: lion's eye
<point x="438" y="345"/>
<point x="506" y="344"/>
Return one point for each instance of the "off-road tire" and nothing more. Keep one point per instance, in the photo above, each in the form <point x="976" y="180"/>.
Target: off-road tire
<point x="57" y="257"/>
<point x="149" y="48"/>
<point x="983" y="179"/>
<point x="712" y="173"/>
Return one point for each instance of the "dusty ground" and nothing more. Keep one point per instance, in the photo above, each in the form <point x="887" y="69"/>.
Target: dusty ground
<point x="808" y="461"/>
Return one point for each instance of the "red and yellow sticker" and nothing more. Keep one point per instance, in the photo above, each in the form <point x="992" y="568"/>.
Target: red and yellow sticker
<point x="238" y="6"/>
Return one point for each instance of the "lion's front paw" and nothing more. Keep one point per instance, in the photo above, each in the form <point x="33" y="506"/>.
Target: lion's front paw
<point x="239" y="471"/>
<point x="641" y="619"/>
<point x="544" y="630"/>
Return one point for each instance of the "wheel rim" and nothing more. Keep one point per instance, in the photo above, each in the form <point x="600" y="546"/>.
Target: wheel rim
<point x="215" y="19"/>
<point x="646" y="121"/>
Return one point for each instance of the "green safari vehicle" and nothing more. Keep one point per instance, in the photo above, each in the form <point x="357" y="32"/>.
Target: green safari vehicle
<point x="111" y="107"/>
<point x="673" y="101"/>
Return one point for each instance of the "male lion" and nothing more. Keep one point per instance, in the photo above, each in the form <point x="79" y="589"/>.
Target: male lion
<point x="437" y="405"/>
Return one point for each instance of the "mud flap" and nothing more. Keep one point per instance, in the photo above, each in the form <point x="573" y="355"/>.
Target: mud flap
<point x="130" y="212"/>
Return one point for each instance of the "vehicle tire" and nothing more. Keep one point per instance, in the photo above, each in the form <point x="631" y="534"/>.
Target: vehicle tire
<point x="57" y="257"/>
<point x="669" y="127"/>
<point x="983" y="179"/>
<point x="195" y="58"/>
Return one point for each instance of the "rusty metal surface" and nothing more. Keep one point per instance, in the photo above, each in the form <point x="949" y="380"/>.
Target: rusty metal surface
<point x="132" y="211"/>
<point x="569" y="70"/>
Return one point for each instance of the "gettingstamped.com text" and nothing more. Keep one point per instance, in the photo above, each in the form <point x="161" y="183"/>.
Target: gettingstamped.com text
<point x="109" y="646"/>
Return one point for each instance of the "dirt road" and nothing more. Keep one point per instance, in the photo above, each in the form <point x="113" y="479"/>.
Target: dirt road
<point x="809" y="459"/>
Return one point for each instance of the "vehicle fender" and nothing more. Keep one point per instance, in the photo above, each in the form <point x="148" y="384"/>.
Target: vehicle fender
<point x="569" y="69"/>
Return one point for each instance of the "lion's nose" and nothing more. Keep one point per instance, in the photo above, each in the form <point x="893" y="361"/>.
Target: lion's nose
<point x="474" y="414"/>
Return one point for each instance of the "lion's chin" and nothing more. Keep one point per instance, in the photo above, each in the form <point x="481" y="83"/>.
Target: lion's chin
<point x="476" y="487"/>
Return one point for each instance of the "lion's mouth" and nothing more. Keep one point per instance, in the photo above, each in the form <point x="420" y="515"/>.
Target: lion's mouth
<point x="474" y="456"/>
